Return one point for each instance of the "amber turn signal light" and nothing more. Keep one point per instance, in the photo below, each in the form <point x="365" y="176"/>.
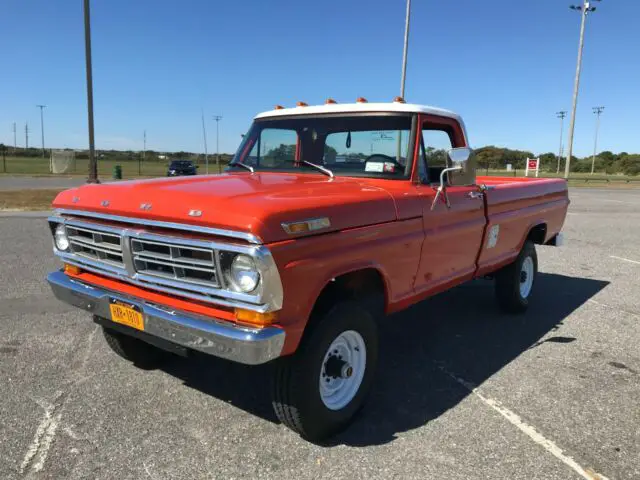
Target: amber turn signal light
<point x="398" y="100"/>
<point x="257" y="319"/>
<point x="302" y="104"/>
<point x="361" y="100"/>
<point x="330" y="101"/>
<point x="71" y="269"/>
<point x="278" y="107"/>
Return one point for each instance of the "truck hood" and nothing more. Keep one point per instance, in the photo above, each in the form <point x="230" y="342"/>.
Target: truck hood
<point x="255" y="203"/>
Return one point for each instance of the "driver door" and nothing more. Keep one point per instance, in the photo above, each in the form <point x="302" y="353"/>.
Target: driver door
<point x="453" y="235"/>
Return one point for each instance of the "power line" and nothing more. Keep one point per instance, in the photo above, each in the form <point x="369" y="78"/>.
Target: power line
<point x="42" y="107"/>
<point x="561" y="114"/>
<point x="584" y="9"/>
<point x="597" y="111"/>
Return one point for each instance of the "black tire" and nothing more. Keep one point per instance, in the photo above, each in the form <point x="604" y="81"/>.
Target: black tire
<point x="508" y="281"/>
<point x="140" y="353"/>
<point x="296" y="392"/>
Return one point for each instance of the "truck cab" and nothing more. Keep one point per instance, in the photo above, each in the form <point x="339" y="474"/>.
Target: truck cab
<point x="327" y="219"/>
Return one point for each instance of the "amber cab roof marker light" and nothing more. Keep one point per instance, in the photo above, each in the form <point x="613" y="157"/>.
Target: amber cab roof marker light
<point x="361" y="100"/>
<point x="302" y="104"/>
<point x="399" y="100"/>
<point x="278" y="107"/>
<point x="330" y="101"/>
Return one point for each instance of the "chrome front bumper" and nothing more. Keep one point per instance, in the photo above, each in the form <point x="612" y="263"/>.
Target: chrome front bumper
<point x="209" y="335"/>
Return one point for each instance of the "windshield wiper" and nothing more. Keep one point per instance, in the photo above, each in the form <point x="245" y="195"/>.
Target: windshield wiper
<point x="326" y="171"/>
<point x="243" y="165"/>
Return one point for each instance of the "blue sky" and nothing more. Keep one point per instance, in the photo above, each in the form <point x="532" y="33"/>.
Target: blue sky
<point x="506" y="65"/>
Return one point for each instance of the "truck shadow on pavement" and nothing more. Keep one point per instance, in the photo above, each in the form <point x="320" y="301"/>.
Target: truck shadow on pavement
<point x="461" y="331"/>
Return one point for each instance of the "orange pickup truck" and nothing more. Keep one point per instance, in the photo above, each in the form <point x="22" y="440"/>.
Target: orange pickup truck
<point x="327" y="218"/>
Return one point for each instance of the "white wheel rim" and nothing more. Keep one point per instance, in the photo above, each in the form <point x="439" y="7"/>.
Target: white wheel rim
<point x="526" y="277"/>
<point x="342" y="370"/>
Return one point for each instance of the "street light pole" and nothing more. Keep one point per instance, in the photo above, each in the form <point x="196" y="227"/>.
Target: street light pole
<point x="597" y="111"/>
<point x="42" y="107"/>
<point x="584" y="9"/>
<point x="217" y="118"/>
<point x="561" y="114"/>
<point x="403" y="77"/>
<point x="93" y="166"/>
<point x="406" y="48"/>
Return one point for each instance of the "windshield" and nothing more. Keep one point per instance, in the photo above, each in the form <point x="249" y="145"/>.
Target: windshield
<point x="369" y="145"/>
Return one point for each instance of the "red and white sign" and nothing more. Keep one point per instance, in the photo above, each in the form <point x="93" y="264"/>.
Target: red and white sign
<point x="533" y="164"/>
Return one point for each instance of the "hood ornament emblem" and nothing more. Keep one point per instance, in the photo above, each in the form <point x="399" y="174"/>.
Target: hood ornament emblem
<point x="104" y="203"/>
<point x="195" y="213"/>
<point x="75" y="199"/>
<point x="145" y="206"/>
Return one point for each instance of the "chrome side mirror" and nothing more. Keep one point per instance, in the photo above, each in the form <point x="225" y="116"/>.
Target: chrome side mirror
<point x="461" y="171"/>
<point x="463" y="167"/>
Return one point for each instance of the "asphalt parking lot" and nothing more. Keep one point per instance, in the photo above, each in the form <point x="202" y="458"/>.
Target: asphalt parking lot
<point x="463" y="392"/>
<point x="8" y="182"/>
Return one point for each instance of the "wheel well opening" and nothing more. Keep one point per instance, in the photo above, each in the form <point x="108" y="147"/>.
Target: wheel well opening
<point x="538" y="234"/>
<point x="365" y="285"/>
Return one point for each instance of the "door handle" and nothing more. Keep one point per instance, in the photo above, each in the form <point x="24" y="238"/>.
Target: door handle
<point x="475" y="195"/>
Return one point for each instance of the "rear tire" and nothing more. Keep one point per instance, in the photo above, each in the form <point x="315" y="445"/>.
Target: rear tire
<point x="318" y="390"/>
<point x="515" y="282"/>
<point x="140" y="353"/>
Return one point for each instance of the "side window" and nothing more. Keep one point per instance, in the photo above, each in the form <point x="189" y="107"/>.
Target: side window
<point x="274" y="148"/>
<point x="433" y="153"/>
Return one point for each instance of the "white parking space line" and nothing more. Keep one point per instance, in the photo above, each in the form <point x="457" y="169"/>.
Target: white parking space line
<point x="527" y="429"/>
<point x="624" y="259"/>
<point x="43" y="438"/>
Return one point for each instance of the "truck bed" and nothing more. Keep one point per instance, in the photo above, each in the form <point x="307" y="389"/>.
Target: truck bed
<point x="516" y="205"/>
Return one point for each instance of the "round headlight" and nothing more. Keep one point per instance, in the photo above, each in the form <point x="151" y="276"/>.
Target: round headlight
<point x="243" y="274"/>
<point x="60" y="237"/>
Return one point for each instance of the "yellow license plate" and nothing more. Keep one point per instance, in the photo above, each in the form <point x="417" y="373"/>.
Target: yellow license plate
<point x="125" y="314"/>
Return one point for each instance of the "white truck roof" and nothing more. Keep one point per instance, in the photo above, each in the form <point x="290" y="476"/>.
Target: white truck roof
<point x="364" y="107"/>
<point x="359" y="107"/>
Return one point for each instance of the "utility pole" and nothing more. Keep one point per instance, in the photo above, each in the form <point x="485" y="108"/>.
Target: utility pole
<point x="584" y="10"/>
<point x="597" y="111"/>
<point x="93" y="166"/>
<point x="204" y="137"/>
<point x="42" y="107"/>
<point x="26" y="136"/>
<point x="217" y="118"/>
<point x="144" y="151"/>
<point x="561" y="114"/>
<point x="15" y="142"/>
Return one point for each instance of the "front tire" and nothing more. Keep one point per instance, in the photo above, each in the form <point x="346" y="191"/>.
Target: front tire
<point x="140" y="353"/>
<point x="318" y="390"/>
<point x="515" y="282"/>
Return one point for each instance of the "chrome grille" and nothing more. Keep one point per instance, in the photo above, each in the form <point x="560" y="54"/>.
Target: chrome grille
<point x="96" y="244"/>
<point x="166" y="260"/>
<point x="170" y="262"/>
